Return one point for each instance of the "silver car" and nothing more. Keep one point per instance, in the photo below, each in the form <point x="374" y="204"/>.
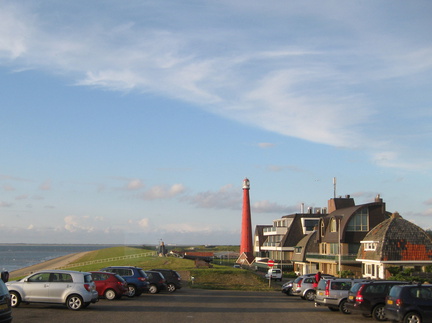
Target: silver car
<point x="333" y="293"/>
<point x="73" y="288"/>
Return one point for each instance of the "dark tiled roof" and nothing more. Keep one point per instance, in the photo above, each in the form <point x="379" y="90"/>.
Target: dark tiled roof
<point x="398" y="240"/>
<point x="308" y="244"/>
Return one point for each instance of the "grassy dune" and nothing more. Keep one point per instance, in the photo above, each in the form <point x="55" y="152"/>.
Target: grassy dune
<point x="218" y="277"/>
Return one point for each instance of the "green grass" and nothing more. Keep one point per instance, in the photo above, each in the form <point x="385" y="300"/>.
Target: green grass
<point x="218" y="277"/>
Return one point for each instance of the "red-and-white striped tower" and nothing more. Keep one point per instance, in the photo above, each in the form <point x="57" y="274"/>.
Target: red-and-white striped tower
<point x="246" y="231"/>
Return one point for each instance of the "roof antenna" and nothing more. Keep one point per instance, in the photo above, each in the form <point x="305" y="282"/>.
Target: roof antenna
<point x="334" y="187"/>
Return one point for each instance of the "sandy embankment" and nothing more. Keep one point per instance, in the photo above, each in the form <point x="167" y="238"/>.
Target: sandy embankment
<point x="50" y="264"/>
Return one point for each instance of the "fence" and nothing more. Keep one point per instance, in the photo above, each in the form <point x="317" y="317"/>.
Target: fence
<point x="98" y="261"/>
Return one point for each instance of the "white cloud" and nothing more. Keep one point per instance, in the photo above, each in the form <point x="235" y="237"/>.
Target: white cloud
<point x="5" y="204"/>
<point x="78" y="223"/>
<point x="135" y="184"/>
<point x="269" y="207"/>
<point x="45" y="186"/>
<point x="144" y="223"/>
<point x="163" y="192"/>
<point x="227" y="197"/>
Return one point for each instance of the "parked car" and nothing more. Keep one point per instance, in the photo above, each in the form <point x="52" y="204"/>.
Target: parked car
<point x="157" y="281"/>
<point x="303" y="286"/>
<point x="333" y="293"/>
<point x="368" y="298"/>
<point x="5" y="308"/>
<point x="109" y="285"/>
<point x="75" y="289"/>
<point x="287" y="287"/>
<point x="409" y="303"/>
<point x="274" y="273"/>
<point x="135" y="277"/>
<point x="172" y="277"/>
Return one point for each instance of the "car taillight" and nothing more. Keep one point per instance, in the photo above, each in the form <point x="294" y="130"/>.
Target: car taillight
<point x="299" y="283"/>
<point x="142" y="279"/>
<point x="359" y="296"/>
<point x="327" y="288"/>
<point x="398" y="302"/>
<point x="87" y="287"/>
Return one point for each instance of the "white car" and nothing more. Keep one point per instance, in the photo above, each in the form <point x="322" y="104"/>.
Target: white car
<point x="274" y="273"/>
<point x="75" y="289"/>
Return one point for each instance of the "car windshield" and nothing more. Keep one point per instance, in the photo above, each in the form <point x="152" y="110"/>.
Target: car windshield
<point x="322" y="283"/>
<point x="355" y="288"/>
<point x="298" y="279"/>
<point x="88" y="278"/>
<point x="142" y="273"/>
<point x="394" y="291"/>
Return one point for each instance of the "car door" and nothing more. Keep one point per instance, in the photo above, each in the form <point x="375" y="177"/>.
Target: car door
<point x="60" y="285"/>
<point x="36" y="288"/>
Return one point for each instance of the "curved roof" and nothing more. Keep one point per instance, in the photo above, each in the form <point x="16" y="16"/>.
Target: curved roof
<point x="397" y="240"/>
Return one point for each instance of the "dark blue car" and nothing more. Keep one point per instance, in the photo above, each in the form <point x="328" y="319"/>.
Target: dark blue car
<point x="135" y="277"/>
<point x="409" y="303"/>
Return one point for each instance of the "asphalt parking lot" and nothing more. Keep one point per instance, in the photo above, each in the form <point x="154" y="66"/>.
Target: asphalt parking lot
<point x="190" y="305"/>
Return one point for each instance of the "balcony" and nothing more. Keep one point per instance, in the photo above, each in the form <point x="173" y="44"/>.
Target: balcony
<point x="275" y="231"/>
<point x="351" y="258"/>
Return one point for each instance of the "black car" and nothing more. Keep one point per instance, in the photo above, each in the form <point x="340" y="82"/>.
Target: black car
<point x="157" y="281"/>
<point x="172" y="277"/>
<point x="287" y="287"/>
<point x="409" y="303"/>
<point x="5" y="308"/>
<point x="135" y="277"/>
<point x="368" y="298"/>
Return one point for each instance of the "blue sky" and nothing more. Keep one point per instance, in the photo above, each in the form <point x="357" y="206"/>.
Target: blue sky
<point x="135" y="121"/>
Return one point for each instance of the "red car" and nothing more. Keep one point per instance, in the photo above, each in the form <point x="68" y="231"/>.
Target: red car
<point x="109" y="285"/>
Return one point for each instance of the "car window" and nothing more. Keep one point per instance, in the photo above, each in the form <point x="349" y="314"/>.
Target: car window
<point x="309" y="280"/>
<point x="341" y="285"/>
<point x="322" y="283"/>
<point x="394" y="291"/>
<point x="88" y="278"/>
<point x="298" y="279"/>
<point x="376" y="289"/>
<point x="355" y="288"/>
<point x="421" y="292"/>
<point x="120" y="278"/>
<point x="39" y="278"/>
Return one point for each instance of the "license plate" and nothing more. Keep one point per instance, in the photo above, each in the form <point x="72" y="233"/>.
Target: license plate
<point x="390" y="302"/>
<point x="320" y="293"/>
<point x="351" y="297"/>
<point x="3" y="307"/>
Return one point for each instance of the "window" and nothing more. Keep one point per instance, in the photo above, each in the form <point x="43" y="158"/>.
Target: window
<point x="298" y="249"/>
<point x="359" y="221"/>
<point x="310" y="224"/>
<point x="370" y="246"/>
<point x="334" y="248"/>
<point x="333" y="225"/>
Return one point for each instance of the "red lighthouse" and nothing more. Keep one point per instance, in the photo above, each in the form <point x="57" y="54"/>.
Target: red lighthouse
<point x="246" y="246"/>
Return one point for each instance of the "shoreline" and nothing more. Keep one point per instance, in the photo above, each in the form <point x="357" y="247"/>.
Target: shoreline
<point x="49" y="264"/>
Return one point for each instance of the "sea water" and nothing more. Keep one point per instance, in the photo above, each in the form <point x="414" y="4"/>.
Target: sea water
<point x="17" y="256"/>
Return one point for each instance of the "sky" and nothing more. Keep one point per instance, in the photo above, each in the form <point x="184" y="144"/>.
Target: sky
<point x="132" y="122"/>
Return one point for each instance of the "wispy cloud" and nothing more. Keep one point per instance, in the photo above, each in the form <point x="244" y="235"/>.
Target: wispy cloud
<point x="163" y="192"/>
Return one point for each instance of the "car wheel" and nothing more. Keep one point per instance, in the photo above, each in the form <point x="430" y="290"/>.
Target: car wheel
<point x="110" y="294"/>
<point x="412" y="318"/>
<point x="74" y="302"/>
<point x="310" y="295"/>
<point x="15" y="299"/>
<point x="171" y="287"/>
<point x="131" y="291"/>
<point x="378" y="313"/>
<point x="342" y="307"/>
<point x="153" y="289"/>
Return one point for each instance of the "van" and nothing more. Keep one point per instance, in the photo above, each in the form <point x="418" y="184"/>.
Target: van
<point x="274" y="273"/>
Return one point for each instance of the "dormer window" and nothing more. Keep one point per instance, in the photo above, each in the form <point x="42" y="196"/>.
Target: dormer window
<point x="370" y="245"/>
<point x="359" y="221"/>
